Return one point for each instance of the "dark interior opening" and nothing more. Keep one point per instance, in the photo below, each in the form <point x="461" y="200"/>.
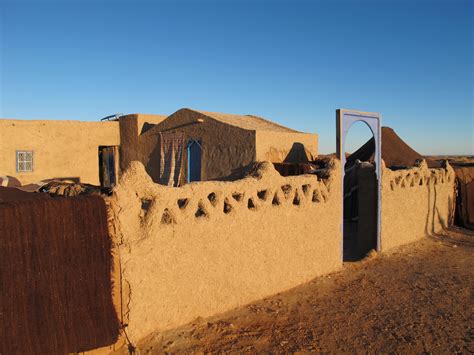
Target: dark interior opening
<point x="360" y="210"/>
<point x="360" y="198"/>
<point x="107" y="166"/>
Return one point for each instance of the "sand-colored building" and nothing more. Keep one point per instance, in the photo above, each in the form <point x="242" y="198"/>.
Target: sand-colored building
<point x="188" y="145"/>
<point x="37" y="150"/>
<point x="193" y="145"/>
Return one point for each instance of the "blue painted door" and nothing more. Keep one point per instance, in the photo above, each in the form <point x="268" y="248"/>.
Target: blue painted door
<point x="194" y="161"/>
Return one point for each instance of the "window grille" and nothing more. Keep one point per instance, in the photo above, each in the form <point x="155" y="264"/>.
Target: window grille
<point x="24" y="161"/>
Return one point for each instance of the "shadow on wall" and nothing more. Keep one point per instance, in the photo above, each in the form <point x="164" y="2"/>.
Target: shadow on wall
<point x="147" y="126"/>
<point x="434" y="216"/>
<point x="238" y="173"/>
<point x="297" y="154"/>
<point x="152" y="166"/>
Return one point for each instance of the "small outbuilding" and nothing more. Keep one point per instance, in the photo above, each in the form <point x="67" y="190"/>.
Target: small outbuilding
<point x="192" y="145"/>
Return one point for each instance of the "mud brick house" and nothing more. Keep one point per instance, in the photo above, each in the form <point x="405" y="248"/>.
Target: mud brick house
<point x="188" y="145"/>
<point x="193" y="145"/>
<point x="33" y="151"/>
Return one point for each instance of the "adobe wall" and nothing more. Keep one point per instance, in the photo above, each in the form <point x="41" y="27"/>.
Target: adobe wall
<point x="416" y="202"/>
<point x="61" y="148"/>
<point x="225" y="148"/>
<point x="279" y="147"/>
<point x="135" y="145"/>
<point x="208" y="247"/>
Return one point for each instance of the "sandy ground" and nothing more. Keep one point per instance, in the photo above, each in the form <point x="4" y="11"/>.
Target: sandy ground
<point x="415" y="299"/>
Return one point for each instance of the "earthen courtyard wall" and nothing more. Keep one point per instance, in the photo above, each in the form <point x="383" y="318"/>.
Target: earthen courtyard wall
<point x="208" y="247"/>
<point x="416" y="202"/>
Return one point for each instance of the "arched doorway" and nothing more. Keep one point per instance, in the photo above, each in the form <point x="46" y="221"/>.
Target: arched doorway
<point x="360" y="220"/>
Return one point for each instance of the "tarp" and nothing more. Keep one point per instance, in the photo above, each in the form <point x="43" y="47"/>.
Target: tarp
<point x="55" y="275"/>
<point x="171" y="157"/>
<point x="395" y="152"/>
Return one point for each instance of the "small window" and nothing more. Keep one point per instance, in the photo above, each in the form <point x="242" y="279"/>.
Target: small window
<point x="24" y="161"/>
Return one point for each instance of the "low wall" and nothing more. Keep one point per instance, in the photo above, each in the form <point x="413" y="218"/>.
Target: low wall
<point x="208" y="247"/>
<point x="416" y="202"/>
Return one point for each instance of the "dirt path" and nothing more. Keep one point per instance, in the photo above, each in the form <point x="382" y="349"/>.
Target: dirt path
<point x="416" y="299"/>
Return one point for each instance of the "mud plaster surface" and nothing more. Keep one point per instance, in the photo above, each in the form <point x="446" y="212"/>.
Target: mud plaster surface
<point x="61" y="149"/>
<point x="416" y="202"/>
<point x="208" y="247"/>
<point x="225" y="148"/>
<point x="414" y="299"/>
<point x="228" y="142"/>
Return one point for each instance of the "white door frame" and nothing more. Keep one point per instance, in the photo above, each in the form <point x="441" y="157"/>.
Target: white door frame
<point x="344" y="121"/>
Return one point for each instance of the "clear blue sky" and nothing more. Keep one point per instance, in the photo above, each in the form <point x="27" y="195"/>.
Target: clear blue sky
<point x="294" y="62"/>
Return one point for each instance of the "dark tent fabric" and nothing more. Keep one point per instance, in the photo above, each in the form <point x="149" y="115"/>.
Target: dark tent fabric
<point x="55" y="276"/>
<point x="395" y="152"/>
<point x="465" y="198"/>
